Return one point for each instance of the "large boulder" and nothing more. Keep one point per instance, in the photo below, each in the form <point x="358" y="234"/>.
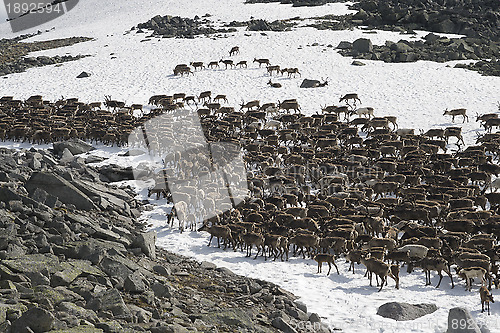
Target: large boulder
<point x="363" y="45"/>
<point x="61" y="188"/>
<point x="405" y="311"/>
<point x="456" y="318"/>
<point x="116" y="173"/>
<point x="306" y="83"/>
<point x="75" y="146"/>
<point x="35" y="320"/>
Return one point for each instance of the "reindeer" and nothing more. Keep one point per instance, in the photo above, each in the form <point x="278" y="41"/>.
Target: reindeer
<point x="249" y="105"/>
<point x="486" y="297"/>
<point x="456" y="112"/>
<point x="213" y="64"/>
<point x="469" y="273"/>
<point x="197" y="64"/>
<point x="219" y="98"/>
<point x="112" y="103"/>
<point x="324" y="83"/>
<point x="274" y="68"/>
<point x="204" y="96"/>
<point x="453" y="131"/>
<point x="328" y="258"/>
<point x="288" y="105"/>
<point x="290" y="71"/>
<point x="490" y="123"/>
<point x="274" y="85"/>
<point x="262" y="61"/>
<point x="366" y="111"/>
<point x="242" y="63"/>
<point x="348" y="97"/>
<point x="227" y="62"/>
<point x="234" y="50"/>
<point x="485" y="117"/>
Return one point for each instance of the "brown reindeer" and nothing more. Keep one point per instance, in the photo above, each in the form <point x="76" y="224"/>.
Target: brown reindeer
<point x="486" y="297"/>
<point x="234" y="50"/>
<point x="328" y="258"/>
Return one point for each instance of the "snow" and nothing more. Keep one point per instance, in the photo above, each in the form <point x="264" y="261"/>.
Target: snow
<point x="417" y="93"/>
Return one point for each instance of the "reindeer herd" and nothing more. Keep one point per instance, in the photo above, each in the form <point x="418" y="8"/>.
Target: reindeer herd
<point x="326" y="186"/>
<point x="184" y="69"/>
<point x="322" y="186"/>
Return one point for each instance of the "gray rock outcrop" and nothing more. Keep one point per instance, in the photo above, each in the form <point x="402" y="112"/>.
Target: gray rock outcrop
<point x="405" y="311"/>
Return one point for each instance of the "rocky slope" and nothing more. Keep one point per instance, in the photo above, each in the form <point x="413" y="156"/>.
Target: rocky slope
<point x="73" y="258"/>
<point x="13" y="53"/>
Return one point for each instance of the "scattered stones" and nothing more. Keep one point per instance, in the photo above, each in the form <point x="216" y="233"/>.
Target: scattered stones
<point x="175" y="26"/>
<point x="13" y="53"/>
<point x="404" y="311"/>
<point x="431" y="48"/>
<point x="68" y="269"/>
<point x="362" y="45"/>
<point x="263" y="25"/>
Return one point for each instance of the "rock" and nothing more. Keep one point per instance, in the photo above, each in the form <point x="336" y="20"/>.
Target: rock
<point x="79" y="329"/>
<point x="7" y="195"/>
<point x="363" y="45"/>
<point x="134" y="152"/>
<point x="115" y="266"/>
<point x="54" y="295"/>
<point x="358" y="63"/>
<point x="33" y="263"/>
<point x="229" y="317"/>
<point x="314" y="318"/>
<point x="134" y="283"/>
<point x="162" y="290"/>
<point x="78" y="311"/>
<point x="83" y="75"/>
<point x="208" y="265"/>
<point x="162" y="270"/>
<point x="431" y="38"/>
<point x="112" y="300"/>
<point x="75" y="146"/>
<point x="445" y="26"/>
<point x="459" y="315"/>
<point x="306" y="83"/>
<point x="404" y="311"/>
<point x="35" y="319"/>
<point x="343" y="45"/>
<point x="280" y="324"/>
<point x="66" y="156"/>
<point x="360" y="15"/>
<point x="116" y="173"/>
<point x="60" y="188"/>
<point x="301" y="306"/>
<point x="110" y="327"/>
<point x="401" y="47"/>
<point x="146" y="241"/>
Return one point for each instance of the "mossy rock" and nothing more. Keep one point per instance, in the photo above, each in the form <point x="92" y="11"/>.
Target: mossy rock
<point x="6" y="308"/>
<point x="33" y="263"/>
<point x="55" y="295"/>
<point x="79" y="329"/>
